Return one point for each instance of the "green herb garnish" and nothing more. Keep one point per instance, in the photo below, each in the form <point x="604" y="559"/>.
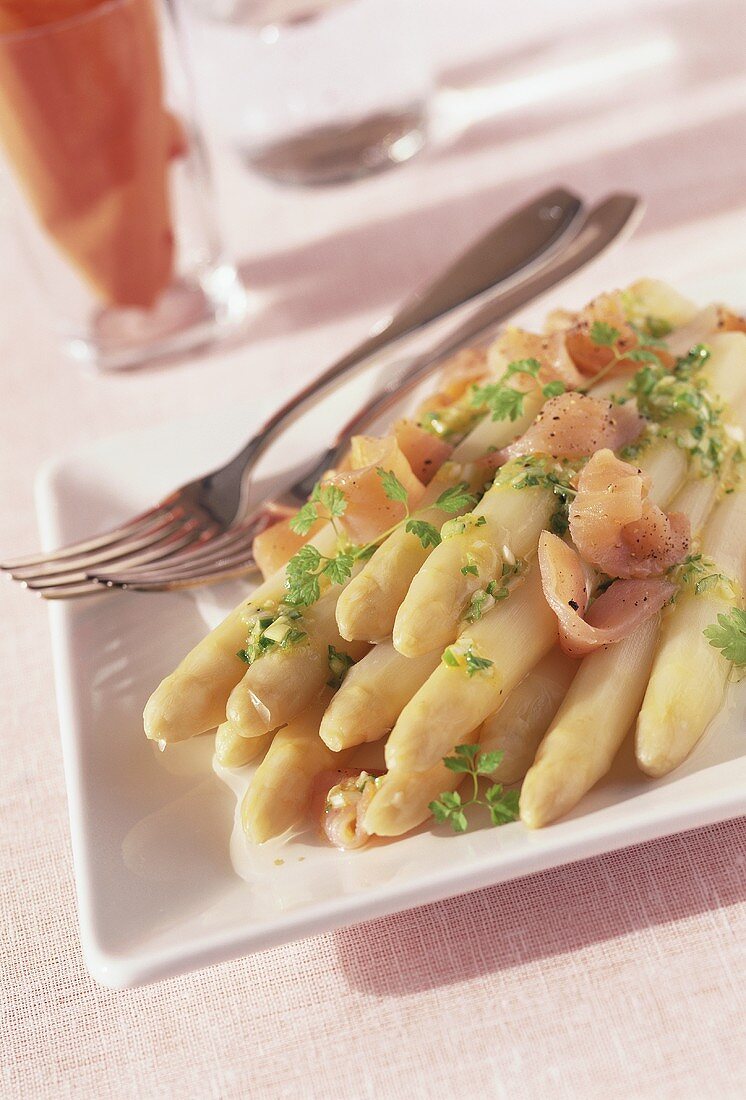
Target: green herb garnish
<point x="456" y="498"/>
<point x="267" y="630"/>
<point x="453" y="421"/>
<point x="540" y="472"/>
<point x="468" y="660"/>
<point x="339" y="665"/>
<point x="679" y="403"/>
<point x="450" y="807"/>
<point x="425" y="532"/>
<point x="701" y="575"/>
<point x="308" y="570"/>
<point x="553" y="389"/>
<point x="484" y="599"/>
<point x="729" y="636"/>
<point x="657" y="327"/>
<point x="501" y="400"/>
<point x="329" y="497"/>
<point x="461" y="525"/>
<point x="392" y="487"/>
<point x="603" y="335"/>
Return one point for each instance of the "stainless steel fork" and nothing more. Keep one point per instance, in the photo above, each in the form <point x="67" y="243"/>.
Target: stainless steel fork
<point x="229" y="554"/>
<point x="212" y="513"/>
<point x="223" y="552"/>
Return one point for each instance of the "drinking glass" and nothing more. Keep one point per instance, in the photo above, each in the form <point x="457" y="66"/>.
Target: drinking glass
<point x="110" y="180"/>
<point x="316" y="91"/>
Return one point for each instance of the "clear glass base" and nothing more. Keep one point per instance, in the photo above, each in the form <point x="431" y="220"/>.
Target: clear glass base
<point x="189" y="315"/>
<point x="335" y="153"/>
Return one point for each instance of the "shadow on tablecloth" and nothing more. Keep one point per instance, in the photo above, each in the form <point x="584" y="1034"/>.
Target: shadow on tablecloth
<point x="529" y="921"/>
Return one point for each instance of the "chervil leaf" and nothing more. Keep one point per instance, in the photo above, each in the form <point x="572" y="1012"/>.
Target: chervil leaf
<point x="456" y="498"/>
<point x="457" y="763"/>
<point x="469" y="751"/>
<point x="604" y="335"/>
<point x="503" y="806"/>
<point x="440" y="812"/>
<point x="503" y="401"/>
<point x="302" y="591"/>
<point x="469" y="760"/>
<point x="301" y="580"/>
<point x="451" y="799"/>
<point x="392" y="487"/>
<point x="729" y="636"/>
<point x="425" y="532"/>
<point x="488" y="762"/>
<point x="553" y="389"/>
<point x="304" y="520"/>
<point x="523" y="366"/>
<point x="308" y="557"/>
<point x="333" y="499"/>
<point x="339" y="569"/>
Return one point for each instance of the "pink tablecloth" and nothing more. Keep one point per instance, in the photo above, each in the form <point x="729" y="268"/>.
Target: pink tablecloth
<point x="619" y="976"/>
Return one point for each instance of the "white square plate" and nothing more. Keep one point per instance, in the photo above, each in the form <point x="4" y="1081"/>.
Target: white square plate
<point x="151" y="831"/>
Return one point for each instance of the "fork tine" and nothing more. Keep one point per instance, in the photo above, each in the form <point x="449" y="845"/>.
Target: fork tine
<point x="241" y="560"/>
<point x="75" y="549"/>
<point x="117" y="551"/>
<point x="213" y="550"/>
<point x="163" y="548"/>
<point x="193" y="534"/>
<point x="158" y="579"/>
<point x="72" y="591"/>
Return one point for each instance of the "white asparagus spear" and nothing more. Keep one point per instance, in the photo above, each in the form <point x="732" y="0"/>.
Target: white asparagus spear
<point x="402" y="799"/>
<point x="724" y="370"/>
<point x="652" y="298"/>
<point x="367" y="607"/>
<point x="517" y="728"/>
<point x="589" y="727"/>
<point x="233" y="751"/>
<point x="192" y="699"/>
<point x="282" y="682"/>
<point x="689" y="675"/>
<point x="513" y="636"/>
<point x="282" y="786"/>
<point x="372" y="696"/>
<point x="433" y="609"/>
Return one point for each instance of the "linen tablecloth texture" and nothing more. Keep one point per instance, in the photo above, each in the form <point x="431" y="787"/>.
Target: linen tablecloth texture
<point x="618" y="976"/>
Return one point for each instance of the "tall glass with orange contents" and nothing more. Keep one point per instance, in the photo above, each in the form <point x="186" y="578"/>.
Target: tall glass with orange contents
<point x="111" y="179"/>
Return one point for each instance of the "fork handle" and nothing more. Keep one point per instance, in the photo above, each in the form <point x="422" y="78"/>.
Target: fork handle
<point x="516" y="244"/>
<point x="603" y="225"/>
